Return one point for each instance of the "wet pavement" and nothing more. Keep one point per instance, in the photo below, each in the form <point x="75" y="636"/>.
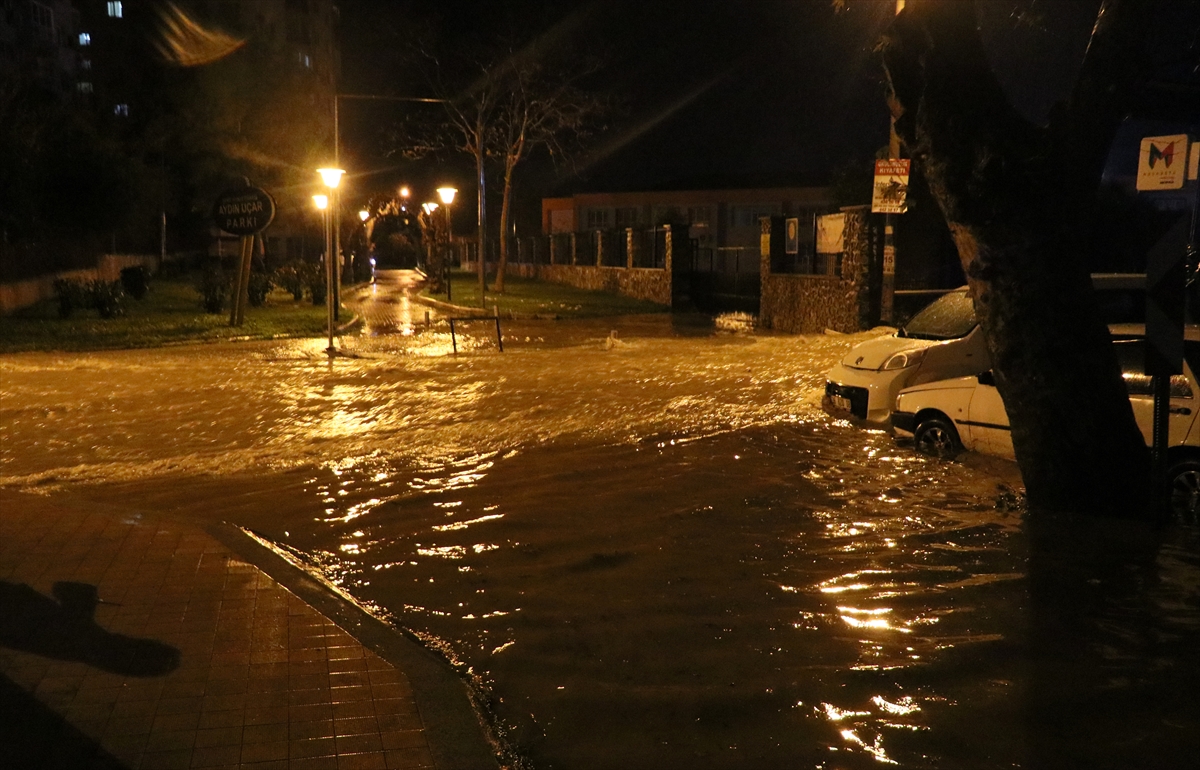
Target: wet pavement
<point x="132" y="641"/>
<point x="644" y="545"/>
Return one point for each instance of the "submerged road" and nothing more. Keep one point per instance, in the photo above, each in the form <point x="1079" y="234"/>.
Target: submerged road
<point x="645" y="543"/>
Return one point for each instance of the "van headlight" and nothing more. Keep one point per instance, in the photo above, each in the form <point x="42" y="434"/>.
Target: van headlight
<point x="904" y="359"/>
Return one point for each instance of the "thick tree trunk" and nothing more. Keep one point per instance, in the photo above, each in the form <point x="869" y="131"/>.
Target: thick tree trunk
<point x="504" y="215"/>
<point x="1016" y="201"/>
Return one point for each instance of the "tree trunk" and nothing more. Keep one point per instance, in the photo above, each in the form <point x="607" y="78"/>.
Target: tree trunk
<point x="504" y="215"/>
<point x="1017" y="213"/>
<point x="481" y="228"/>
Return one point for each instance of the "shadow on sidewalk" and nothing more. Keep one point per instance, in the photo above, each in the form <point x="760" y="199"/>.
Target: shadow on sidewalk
<point x="66" y="630"/>
<point x="34" y="737"/>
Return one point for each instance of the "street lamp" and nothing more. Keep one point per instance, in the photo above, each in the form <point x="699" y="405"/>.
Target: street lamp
<point x="331" y="177"/>
<point x="322" y="204"/>
<point x="363" y="215"/>
<point x="447" y="195"/>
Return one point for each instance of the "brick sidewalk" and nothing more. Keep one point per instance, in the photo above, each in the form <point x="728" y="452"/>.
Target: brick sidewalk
<point x="190" y="658"/>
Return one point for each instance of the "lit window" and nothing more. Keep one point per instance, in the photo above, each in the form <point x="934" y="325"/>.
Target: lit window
<point x="84" y="87"/>
<point x="122" y="110"/>
<point x="85" y="38"/>
<point x="114" y="10"/>
<point x="305" y="59"/>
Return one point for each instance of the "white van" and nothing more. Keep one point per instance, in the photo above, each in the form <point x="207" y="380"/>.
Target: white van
<point x="966" y="413"/>
<point x="940" y="342"/>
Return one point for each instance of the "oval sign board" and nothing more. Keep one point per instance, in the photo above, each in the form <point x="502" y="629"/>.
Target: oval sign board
<point x="244" y="211"/>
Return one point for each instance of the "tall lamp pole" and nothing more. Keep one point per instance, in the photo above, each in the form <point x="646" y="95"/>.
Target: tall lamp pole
<point x="331" y="177"/>
<point x="322" y="204"/>
<point x="447" y="195"/>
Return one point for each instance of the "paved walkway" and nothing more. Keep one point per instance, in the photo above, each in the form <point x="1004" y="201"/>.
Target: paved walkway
<point x="127" y="641"/>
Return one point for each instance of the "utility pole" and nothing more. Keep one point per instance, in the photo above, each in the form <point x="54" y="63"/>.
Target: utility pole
<point x="887" y="294"/>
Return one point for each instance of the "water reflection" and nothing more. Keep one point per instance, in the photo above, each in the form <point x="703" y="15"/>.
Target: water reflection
<point x="658" y="553"/>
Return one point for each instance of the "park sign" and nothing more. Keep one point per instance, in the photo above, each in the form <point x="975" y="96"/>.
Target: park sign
<point x="890" y="194"/>
<point x="1162" y="162"/>
<point x="244" y="210"/>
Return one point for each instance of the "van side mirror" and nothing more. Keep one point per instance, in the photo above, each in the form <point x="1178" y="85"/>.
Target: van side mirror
<point x="986" y="378"/>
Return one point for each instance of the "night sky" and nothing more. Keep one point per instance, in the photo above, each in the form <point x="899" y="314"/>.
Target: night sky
<point x="709" y="94"/>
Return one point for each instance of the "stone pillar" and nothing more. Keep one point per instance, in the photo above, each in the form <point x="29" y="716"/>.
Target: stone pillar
<point x="599" y="236"/>
<point x="629" y="246"/>
<point x="862" y="265"/>
<point x="574" y="249"/>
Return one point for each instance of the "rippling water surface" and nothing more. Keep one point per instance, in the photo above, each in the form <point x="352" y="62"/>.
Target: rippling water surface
<point x="648" y="545"/>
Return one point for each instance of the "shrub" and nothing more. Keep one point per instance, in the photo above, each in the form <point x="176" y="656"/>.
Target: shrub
<point x="135" y="281"/>
<point x="72" y="296"/>
<point x="260" y="286"/>
<point x="315" y="278"/>
<point x="108" y="297"/>
<point x="292" y="278"/>
<point x="214" y="289"/>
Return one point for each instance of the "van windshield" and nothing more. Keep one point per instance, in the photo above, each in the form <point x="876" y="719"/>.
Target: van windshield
<point x="946" y="318"/>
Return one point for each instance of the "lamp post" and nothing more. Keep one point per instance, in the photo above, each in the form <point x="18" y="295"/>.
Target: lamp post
<point x="322" y="203"/>
<point x="363" y="216"/>
<point x="331" y="177"/>
<point x="447" y="195"/>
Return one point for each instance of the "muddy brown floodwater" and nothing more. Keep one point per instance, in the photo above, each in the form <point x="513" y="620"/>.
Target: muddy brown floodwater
<point x="649" y="546"/>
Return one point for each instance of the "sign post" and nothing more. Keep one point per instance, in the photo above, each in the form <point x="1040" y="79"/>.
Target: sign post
<point x="1162" y="165"/>
<point x="889" y="196"/>
<point x="244" y="211"/>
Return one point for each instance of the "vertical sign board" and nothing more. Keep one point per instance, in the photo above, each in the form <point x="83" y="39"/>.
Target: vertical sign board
<point x="1162" y="165"/>
<point x="890" y="194"/>
<point x="792" y="239"/>
<point x="244" y="211"/>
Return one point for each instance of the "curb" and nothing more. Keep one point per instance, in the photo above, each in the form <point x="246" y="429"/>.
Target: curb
<point x="457" y="735"/>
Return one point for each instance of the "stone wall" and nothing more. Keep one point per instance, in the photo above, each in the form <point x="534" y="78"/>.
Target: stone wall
<point x="650" y="284"/>
<point x="801" y="303"/>
<point x="20" y="294"/>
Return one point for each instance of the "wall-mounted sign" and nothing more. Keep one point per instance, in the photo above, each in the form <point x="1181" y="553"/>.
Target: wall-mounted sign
<point x="791" y="241"/>
<point x="244" y="210"/>
<point x="1162" y="162"/>
<point x="831" y="233"/>
<point x="890" y="195"/>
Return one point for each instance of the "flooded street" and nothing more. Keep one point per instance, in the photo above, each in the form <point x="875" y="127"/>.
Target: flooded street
<point x="646" y="544"/>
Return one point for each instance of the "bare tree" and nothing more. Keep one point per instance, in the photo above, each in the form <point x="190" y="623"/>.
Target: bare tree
<point x="542" y="107"/>
<point x="1019" y="201"/>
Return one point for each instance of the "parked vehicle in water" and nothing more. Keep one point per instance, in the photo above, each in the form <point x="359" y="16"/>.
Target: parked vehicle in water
<point x="940" y="342"/>
<point x="946" y="417"/>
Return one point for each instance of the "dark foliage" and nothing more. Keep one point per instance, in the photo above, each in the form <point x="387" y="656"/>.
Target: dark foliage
<point x="260" y="286"/>
<point x="135" y="281"/>
<point x="214" y="288"/>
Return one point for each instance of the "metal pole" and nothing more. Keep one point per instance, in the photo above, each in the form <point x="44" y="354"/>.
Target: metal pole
<point x="1160" y="385"/>
<point x="329" y="284"/>
<point x="448" y="250"/>
<point x="335" y="203"/>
